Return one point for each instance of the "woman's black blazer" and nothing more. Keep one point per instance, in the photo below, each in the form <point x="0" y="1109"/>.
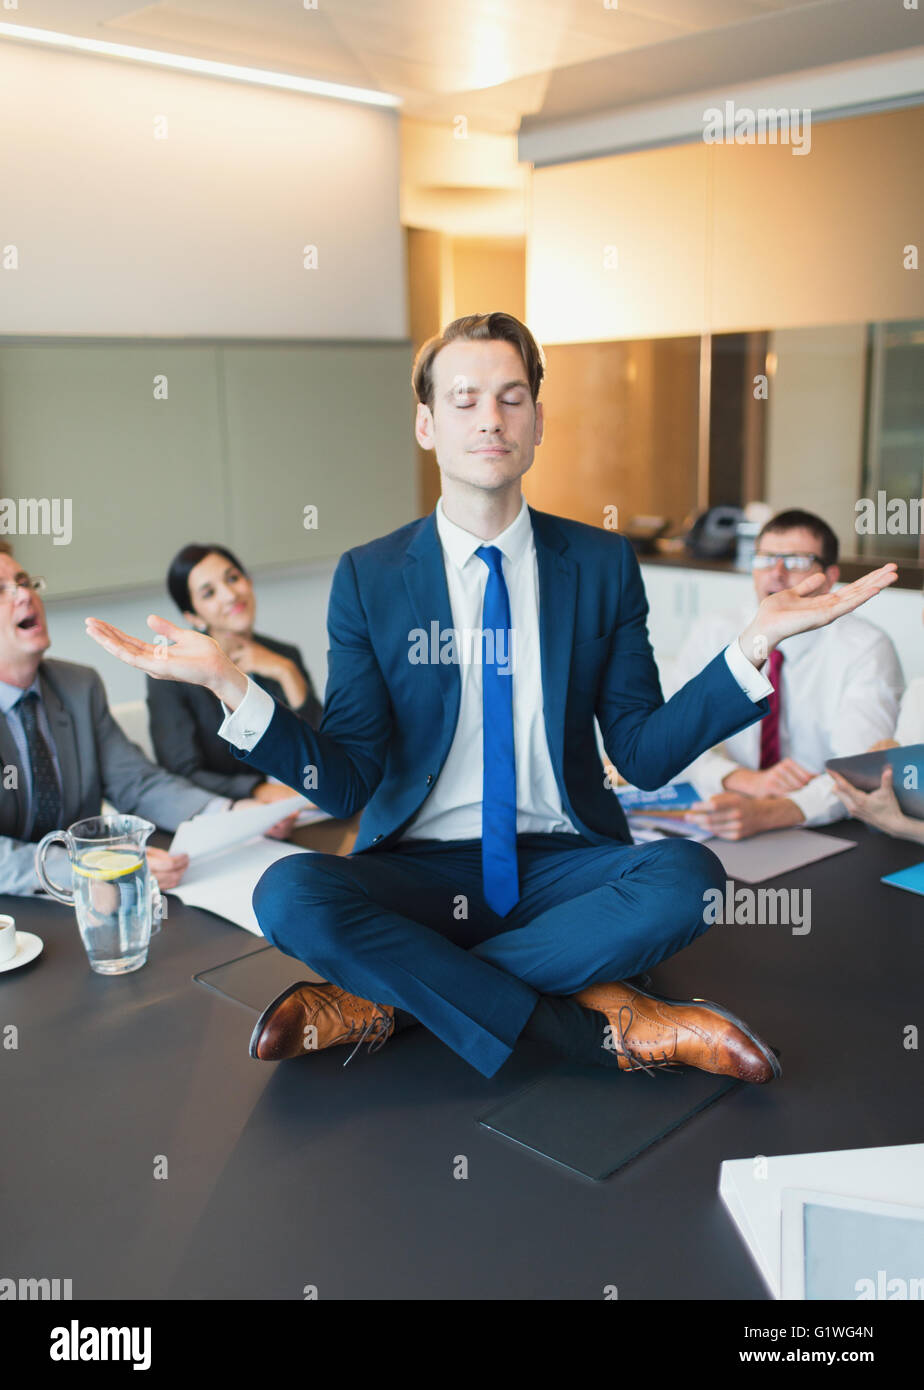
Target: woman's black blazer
<point x="184" y="720"/>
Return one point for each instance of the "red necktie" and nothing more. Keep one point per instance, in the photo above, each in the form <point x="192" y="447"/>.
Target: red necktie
<point x="770" y="728"/>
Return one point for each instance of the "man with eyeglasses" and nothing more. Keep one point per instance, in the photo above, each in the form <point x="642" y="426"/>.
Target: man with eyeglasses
<point x="61" y="751"/>
<point x="836" y="692"/>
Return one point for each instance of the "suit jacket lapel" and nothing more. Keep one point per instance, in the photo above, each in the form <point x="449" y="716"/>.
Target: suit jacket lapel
<point x="425" y="580"/>
<point x="557" y="609"/>
<point x="62" y="731"/>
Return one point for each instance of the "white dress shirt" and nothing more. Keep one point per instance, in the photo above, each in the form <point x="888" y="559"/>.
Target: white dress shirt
<point x="910" y="726"/>
<point x="452" y="811"/>
<point x="840" y="688"/>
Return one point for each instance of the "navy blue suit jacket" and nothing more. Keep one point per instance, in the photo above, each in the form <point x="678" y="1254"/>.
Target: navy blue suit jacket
<point x="388" y="723"/>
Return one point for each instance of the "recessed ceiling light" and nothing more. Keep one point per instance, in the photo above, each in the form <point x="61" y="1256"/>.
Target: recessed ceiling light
<point x="203" y="66"/>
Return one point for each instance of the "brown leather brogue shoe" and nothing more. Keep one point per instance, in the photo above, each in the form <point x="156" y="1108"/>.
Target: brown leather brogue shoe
<point x="649" y="1031"/>
<point x="308" y="1017"/>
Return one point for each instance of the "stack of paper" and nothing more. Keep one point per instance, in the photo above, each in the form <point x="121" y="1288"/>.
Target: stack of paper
<point x="228" y="853"/>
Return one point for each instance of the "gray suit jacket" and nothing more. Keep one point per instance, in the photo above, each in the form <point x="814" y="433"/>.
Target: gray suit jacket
<point x="96" y="760"/>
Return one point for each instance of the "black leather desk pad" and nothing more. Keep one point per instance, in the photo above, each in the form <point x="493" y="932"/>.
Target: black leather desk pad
<point x="594" y="1120"/>
<point x="255" y="979"/>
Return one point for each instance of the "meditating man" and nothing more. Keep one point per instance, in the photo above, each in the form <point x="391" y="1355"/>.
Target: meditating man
<point x="494" y="893"/>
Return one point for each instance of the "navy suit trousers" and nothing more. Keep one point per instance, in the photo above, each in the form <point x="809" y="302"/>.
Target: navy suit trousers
<point x="409" y="926"/>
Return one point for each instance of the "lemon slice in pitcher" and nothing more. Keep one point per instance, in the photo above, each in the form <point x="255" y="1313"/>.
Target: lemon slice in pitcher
<point x="108" y="863"/>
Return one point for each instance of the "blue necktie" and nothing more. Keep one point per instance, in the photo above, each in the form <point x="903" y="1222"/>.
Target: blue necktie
<point x="499" y="795"/>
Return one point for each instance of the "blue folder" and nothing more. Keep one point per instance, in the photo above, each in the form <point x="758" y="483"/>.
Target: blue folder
<point x="912" y="879"/>
<point x="676" y="796"/>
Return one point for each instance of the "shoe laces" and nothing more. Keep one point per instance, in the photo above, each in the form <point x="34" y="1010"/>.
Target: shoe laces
<point x="379" y="1026"/>
<point x="655" y="1062"/>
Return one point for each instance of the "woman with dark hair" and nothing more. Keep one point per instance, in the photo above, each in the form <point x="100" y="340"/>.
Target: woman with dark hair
<point x="214" y="593"/>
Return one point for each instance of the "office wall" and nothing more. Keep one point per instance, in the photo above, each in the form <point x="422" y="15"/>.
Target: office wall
<point x="201" y="233"/>
<point x="233" y="445"/>
<point x="728" y="237"/>
<point x="198" y="235"/>
<point x="488" y="274"/>
<point x="815" y="424"/>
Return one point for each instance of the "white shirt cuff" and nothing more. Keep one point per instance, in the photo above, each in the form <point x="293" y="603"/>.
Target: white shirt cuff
<point x="754" y="685"/>
<point x="215" y="803"/>
<point x="818" y="801"/>
<point x="709" y="773"/>
<point x="245" y="726"/>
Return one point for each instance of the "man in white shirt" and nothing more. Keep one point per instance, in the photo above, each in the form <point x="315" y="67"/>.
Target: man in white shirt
<point x="494" y="893"/>
<point x="837" y="691"/>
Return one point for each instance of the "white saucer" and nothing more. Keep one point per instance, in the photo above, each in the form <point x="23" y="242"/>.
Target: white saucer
<point x="28" y="946"/>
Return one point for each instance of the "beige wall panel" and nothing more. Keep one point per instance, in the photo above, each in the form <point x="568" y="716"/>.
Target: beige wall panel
<point x="731" y="237"/>
<point x="489" y="275"/>
<point x="818" y="238"/>
<point x="144" y="476"/>
<point x="621" y="430"/>
<point x="652" y="207"/>
<point x="324" y="425"/>
<point x="815" y="424"/>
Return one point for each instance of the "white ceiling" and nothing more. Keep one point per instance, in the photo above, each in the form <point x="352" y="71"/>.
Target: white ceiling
<point x="497" y="61"/>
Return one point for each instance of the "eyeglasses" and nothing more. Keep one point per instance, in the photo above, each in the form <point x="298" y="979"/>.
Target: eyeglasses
<point x="790" y="562"/>
<point x="23" y="581"/>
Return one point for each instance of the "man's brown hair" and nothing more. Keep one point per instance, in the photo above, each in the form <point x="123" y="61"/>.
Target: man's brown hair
<point x="479" y="328"/>
<point x="819" y="530"/>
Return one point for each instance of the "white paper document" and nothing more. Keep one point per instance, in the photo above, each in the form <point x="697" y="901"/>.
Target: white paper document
<point x="228" y="854"/>
<point x="213" y="834"/>
<point x="224" y="883"/>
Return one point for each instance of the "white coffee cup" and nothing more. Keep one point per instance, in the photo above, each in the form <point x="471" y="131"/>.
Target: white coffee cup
<point x="8" y="943"/>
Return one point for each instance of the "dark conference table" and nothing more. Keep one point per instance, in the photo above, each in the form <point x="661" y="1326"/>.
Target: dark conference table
<point x="302" y="1174"/>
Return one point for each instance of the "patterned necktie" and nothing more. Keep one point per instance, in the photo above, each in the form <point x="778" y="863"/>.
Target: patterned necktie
<point x="499" y="794"/>
<point x="770" y="728"/>
<point x="46" y="793"/>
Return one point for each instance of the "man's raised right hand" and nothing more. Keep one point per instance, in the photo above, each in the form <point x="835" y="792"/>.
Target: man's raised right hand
<point x="193" y="657"/>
